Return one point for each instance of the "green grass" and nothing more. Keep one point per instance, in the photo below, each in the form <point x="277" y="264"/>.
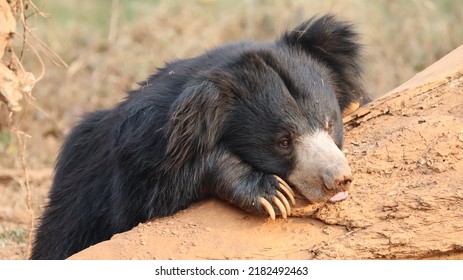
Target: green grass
<point x="93" y="14"/>
<point x="5" y="140"/>
<point x="15" y="236"/>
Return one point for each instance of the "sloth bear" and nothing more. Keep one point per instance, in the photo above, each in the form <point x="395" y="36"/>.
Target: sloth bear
<point x="245" y="122"/>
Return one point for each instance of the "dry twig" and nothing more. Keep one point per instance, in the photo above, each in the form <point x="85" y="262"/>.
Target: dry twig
<point x="16" y="83"/>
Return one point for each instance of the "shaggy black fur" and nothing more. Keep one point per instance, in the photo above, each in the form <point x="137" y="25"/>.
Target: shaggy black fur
<point x="217" y="125"/>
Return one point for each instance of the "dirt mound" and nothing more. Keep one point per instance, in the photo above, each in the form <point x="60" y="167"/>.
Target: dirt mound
<point x="406" y="150"/>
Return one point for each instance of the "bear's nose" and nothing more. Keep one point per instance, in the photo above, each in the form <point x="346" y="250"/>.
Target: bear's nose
<point x="343" y="183"/>
<point x="337" y="177"/>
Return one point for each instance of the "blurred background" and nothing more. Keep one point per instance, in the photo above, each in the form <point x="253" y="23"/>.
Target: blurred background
<point x="109" y="45"/>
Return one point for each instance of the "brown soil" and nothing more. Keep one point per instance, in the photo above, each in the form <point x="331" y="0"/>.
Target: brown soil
<point x="406" y="150"/>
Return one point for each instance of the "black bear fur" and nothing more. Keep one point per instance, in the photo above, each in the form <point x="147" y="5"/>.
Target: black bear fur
<point x="216" y="125"/>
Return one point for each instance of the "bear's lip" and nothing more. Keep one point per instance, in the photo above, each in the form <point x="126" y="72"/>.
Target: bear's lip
<point x="340" y="196"/>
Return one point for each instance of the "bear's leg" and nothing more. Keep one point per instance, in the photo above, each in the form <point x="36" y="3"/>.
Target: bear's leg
<point x="227" y="177"/>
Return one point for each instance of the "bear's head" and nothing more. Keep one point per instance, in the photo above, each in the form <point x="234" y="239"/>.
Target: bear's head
<point x="277" y="106"/>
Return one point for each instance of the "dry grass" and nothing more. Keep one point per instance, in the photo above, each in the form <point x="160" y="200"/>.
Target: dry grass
<point x="106" y="59"/>
<point x="110" y="45"/>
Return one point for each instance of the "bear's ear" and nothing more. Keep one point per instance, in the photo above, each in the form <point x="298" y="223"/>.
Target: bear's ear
<point x="333" y="43"/>
<point x="195" y="121"/>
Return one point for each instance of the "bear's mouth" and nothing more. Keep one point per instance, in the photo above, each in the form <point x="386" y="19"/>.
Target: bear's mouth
<point x="340" y="196"/>
<point x="343" y="193"/>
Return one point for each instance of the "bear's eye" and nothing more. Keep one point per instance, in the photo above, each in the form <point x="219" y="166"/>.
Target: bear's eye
<point x="284" y="143"/>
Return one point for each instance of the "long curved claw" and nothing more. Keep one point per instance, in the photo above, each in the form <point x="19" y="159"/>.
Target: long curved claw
<point x="268" y="207"/>
<point x="285" y="202"/>
<point x="280" y="206"/>
<point x="286" y="189"/>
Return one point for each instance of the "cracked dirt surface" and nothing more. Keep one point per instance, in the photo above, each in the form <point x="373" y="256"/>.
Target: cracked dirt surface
<point x="406" y="202"/>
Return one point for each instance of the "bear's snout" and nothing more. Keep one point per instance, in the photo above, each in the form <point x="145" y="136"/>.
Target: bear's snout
<point x="337" y="177"/>
<point x="322" y="172"/>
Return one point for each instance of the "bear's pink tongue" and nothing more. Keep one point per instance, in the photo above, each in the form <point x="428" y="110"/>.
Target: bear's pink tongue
<point x="339" y="196"/>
